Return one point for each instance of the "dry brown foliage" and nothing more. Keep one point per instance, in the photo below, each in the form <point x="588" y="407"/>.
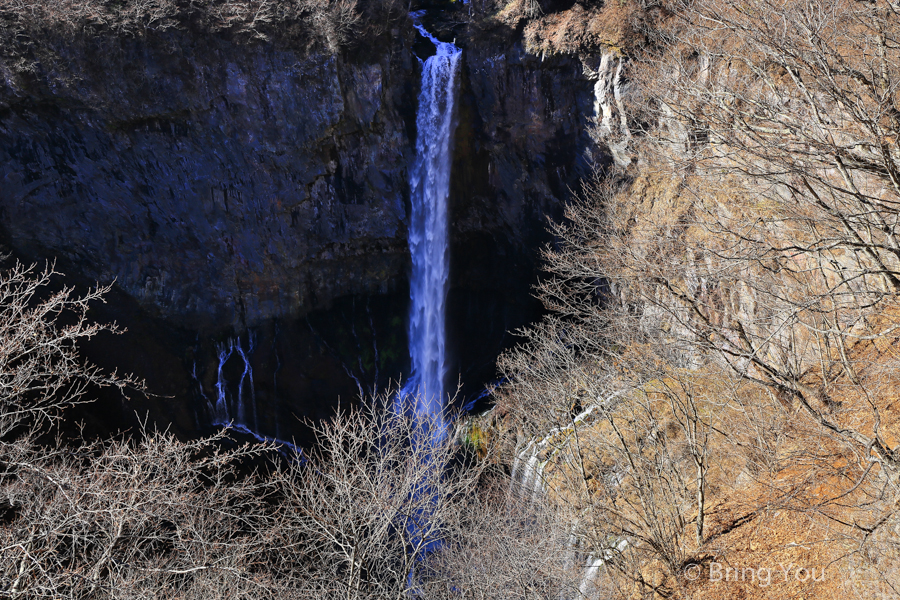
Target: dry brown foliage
<point x="584" y="30"/>
<point x="729" y="312"/>
<point x="328" y="23"/>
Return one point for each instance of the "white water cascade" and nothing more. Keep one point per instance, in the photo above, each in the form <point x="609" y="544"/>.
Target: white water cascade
<point x="235" y="411"/>
<point x="429" y="184"/>
<point x="239" y="412"/>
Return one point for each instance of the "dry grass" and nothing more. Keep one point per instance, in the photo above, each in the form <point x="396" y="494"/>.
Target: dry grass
<point x="580" y="29"/>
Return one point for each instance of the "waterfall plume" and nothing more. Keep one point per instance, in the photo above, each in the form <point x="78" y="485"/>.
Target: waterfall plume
<point x="428" y="228"/>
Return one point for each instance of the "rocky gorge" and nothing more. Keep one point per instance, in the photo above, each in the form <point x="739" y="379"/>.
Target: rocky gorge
<point x="251" y="200"/>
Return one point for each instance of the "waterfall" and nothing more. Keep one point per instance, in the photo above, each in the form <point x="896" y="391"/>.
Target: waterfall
<point x="238" y="412"/>
<point x="592" y="567"/>
<point x="429" y="184"/>
<point x="224" y="351"/>
<point x="248" y="371"/>
<point x="517" y="464"/>
<point x="234" y="410"/>
<point x="594" y="563"/>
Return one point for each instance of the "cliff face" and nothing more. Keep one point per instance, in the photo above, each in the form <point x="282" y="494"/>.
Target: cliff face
<point x="220" y="185"/>
<point x="228" y="187"/>
<point x="521" y="149"/>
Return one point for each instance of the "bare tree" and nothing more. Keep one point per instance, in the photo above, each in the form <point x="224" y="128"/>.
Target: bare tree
<point x="148" y="519"/>
<point x="376" y="495"/>
<point x="384" y="506"/>
<point x="737" y="290"/>
<point x="121" y="519"/>
<point x="503" y="547"/>
<point x="791" y="117"/>
<point x="328" y="23"/>
<point x="41" y="370"/>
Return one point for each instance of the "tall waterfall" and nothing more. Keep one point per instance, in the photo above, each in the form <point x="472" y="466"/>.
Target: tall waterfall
<point x="429" y="184"/>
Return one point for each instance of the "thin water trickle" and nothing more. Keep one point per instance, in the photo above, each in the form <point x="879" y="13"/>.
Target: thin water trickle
<point x="239" y="412"/>
<point x="229" y="409"/>
<point x="225" y="350"/>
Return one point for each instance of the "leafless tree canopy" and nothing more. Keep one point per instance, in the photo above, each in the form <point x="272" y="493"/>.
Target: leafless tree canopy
<point x="724" y="331"/>
<point x="330" y="24"/>
<point x="155" y="518"/>
<point x="384" y="506"/>
<point x="40" y="368"/>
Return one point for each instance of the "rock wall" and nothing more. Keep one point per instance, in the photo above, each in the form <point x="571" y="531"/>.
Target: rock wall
<point x="232" y="187"/>
<point x="219" y="184"/>
<point x="521" y="149"/>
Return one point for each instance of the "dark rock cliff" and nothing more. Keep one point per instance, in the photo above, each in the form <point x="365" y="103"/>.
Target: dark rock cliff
<point x="219" y="185"/>
<point x="520" y="151"/>
<point x="255" y="189"/>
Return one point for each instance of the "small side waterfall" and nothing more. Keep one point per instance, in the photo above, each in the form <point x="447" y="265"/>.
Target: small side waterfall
<point x="224" y="351"/>
<point x="429" y="184"/>
<point x="248" y="373"/>
<point x="529" y="483"/>
<point x="240" y="410"/>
